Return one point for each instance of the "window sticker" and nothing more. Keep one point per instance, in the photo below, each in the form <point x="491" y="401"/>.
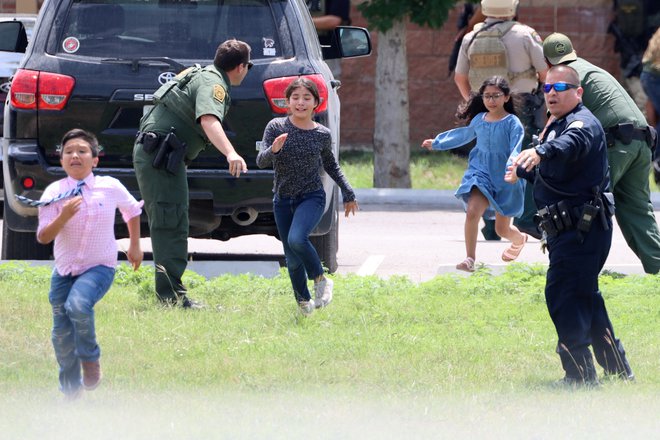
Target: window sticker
<point x="269" y="47"/>
<point x="71" y="45"/>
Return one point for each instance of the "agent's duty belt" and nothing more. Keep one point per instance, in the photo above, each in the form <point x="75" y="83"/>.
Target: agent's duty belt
<point x="627" y="132"/>
<point x="169" y="150"/>
<point x="148" y="139"/>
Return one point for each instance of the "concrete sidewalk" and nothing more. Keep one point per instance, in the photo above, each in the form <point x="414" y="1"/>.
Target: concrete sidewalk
<point x="428" y="198"/>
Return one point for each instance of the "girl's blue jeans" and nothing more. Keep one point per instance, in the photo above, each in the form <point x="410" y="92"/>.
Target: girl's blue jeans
<point x="296" y="218"/>
<point x="74" y="336"/>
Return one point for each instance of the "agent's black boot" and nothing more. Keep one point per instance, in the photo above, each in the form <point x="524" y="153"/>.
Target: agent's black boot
<point x="488" y="231"/>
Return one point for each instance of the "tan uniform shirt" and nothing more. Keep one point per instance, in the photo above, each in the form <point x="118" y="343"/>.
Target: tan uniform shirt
<point x="524" y="49"/>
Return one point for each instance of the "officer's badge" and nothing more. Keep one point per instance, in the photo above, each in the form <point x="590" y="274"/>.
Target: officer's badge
<point x="219" y="93"/>
<point x="551" y="136"/>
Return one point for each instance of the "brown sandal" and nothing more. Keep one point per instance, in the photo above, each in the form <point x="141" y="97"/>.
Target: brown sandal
<point x="514" y="250"/>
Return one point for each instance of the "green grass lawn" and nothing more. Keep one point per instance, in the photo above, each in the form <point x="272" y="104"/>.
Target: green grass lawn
<point x="449" y="334"/>
<point x="459" y="352"/>
<point x="428" y="169"/>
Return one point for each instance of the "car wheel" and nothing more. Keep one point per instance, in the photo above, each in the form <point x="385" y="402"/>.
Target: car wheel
<point x="327" y="245"/>
<point x="22" y="245"/>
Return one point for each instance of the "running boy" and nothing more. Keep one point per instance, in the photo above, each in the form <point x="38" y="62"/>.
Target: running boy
<point x="85" y="254"/>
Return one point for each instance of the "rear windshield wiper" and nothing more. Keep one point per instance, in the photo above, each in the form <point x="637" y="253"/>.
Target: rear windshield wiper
<point x="148" y="61"/>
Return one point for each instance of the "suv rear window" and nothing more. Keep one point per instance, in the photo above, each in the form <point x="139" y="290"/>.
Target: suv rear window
<point x="183" y="29"/>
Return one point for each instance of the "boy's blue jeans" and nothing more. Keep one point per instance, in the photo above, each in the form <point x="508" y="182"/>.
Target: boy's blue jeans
<point x="296" y="218"/>
<point x="74" y="336"/>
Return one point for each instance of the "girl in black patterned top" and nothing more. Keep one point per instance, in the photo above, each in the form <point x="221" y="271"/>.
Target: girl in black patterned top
<point x="297" y="147"/>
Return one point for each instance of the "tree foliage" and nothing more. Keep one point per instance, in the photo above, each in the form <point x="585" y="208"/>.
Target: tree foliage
<point x="381" y="14"/>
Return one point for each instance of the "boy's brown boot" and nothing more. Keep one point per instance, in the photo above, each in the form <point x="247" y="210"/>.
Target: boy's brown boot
<point x="91" y="374"/>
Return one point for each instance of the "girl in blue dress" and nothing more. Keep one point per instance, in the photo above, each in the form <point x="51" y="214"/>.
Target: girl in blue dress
<point x="491" y="118"/>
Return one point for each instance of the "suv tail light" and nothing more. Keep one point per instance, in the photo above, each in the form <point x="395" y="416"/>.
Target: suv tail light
<point x="33" y="90"/>
<point x="275" y="88"/>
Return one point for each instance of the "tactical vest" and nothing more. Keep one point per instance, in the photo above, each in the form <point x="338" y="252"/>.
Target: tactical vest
<point x="487" y="53"/>
<point x="169" y="95"/>
<point x="316" y="7"/>
<point x="180" y="80"/>
<point x="631" y="17"/>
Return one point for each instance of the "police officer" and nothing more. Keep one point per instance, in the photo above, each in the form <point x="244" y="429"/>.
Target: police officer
<point x="187" y="115"/>
<point x="629" y="141"/>
<point x="569" y="173"/>
<point x="522" y="64"/>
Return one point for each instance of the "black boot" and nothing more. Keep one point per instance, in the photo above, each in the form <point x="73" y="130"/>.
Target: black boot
<point x="614" y="362"/>
<point x="488" y="231"/>
<point x="189" y="303"/>
<point x="579" y="367"/>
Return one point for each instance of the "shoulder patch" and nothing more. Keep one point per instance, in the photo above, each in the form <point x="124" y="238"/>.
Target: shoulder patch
<point x="575" y="124"/>
<point x="537" y="37"/>
<point x="219" y="93"/>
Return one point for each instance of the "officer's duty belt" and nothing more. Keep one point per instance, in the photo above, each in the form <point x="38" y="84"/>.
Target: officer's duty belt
<point x="561" y="217"/>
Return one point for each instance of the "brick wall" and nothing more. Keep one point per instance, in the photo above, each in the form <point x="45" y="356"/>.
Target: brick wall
<point x="433" y="96"/>
<point x="8" y="6"/>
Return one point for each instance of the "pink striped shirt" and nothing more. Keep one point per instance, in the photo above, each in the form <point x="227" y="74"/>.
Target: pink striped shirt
<point x="88" y="238"/>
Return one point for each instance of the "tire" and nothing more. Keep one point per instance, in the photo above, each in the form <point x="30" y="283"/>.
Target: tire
<point x="327" y="245"/>
<point x="23" y="246"/>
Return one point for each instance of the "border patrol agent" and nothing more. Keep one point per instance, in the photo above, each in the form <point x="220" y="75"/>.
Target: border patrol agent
<point x="327" y="15"/>
<point x="187" y="115"/>
<point x="630" y="144"/>
<point x="520" y="61"/>
<point x="569" y="170"/>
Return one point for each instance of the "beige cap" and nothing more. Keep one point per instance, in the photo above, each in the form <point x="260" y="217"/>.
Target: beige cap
<point x="499" y="8"/>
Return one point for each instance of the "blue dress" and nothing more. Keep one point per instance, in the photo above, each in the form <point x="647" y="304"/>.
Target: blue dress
<point x="497" y="144"/>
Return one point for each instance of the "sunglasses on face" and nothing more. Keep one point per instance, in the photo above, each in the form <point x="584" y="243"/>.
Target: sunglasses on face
<point x="559" y="87"/>
<point x="249" y="65"/>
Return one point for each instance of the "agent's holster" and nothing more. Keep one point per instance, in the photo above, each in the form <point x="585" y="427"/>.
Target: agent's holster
<point x="169" y="150"/>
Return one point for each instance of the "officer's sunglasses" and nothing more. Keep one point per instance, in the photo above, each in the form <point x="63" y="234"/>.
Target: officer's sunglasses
<point x="249" y="65"/>
<point x="559" y="87"/>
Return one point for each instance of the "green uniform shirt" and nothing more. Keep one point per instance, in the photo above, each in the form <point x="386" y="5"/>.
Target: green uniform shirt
<point x="605" y="97"/>
<point x="183" y="101"/>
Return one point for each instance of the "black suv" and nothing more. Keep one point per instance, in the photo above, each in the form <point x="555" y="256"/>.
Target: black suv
<point x="95" y="65"/>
